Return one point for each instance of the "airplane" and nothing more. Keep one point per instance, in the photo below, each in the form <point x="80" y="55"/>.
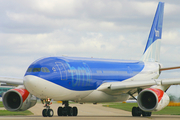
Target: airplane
<point x="95" y="80"/>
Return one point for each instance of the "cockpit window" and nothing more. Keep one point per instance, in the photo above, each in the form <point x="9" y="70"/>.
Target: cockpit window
<point x="42" y="69"/>
<point x="36" y="70"/>
<point x="29" y="70"/>
<point x="45" y="69"/>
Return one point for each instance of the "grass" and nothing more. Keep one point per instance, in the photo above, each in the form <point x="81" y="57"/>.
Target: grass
<point x="1" y="104"/>
<point x="9" y="113"/>
<point x="169" y="110"/>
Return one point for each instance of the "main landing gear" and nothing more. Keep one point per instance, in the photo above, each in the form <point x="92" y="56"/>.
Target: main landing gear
<point x="136" y="111"/>
<point x="67" y="110"/>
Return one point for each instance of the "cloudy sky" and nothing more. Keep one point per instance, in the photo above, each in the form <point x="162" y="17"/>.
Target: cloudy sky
<point x="118" y="29"/>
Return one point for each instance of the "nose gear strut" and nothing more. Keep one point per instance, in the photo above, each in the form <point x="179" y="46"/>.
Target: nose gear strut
<point x="47" y="112"/>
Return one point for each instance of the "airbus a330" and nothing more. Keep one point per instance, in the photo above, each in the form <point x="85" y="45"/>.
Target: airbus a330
<point x="91" y="80"/>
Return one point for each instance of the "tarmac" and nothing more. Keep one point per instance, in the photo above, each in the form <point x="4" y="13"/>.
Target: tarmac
<point x="87" y="112"/>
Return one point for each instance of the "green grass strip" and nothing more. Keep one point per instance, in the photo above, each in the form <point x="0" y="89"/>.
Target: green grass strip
<point x="169" y="110"/>
<point x="1" y="104"/>
<point x="9" y="113"/>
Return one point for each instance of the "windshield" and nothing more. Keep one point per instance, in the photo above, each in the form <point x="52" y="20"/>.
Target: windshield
<point x="42" y="69"/>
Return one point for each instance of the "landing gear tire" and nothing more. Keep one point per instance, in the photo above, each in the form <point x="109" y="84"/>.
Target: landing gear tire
<point x="59" y="111"/>
<point x="44" y="113"/>
<point x="50" y="112"/>
<point x="146" y="114"/>
<point x="136" y="111"/>
<point x="75" y="111"/>
<point x="64" y="111"/>
<point x="70" y="111"/>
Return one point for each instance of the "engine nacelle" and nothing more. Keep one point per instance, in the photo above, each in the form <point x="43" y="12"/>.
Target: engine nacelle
<point x="152" y="99"/>
<point x="18" y="99"/>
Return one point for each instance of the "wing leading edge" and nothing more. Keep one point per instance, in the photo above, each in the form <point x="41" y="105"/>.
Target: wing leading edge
<point x="11" y="81"/>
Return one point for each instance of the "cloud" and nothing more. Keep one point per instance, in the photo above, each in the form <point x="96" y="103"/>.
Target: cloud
<point x="93" y="28"/>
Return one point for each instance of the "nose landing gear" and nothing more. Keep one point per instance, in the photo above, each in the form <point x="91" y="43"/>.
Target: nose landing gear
<point x="67" y="110"/>
<point x="47" y="112"/>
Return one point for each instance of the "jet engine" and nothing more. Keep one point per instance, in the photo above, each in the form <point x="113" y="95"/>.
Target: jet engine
<point x="18" y="100"/>
<point x="152" y="99"/>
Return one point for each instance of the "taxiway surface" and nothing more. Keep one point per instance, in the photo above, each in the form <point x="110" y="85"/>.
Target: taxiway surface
<point x="88" y="112"/>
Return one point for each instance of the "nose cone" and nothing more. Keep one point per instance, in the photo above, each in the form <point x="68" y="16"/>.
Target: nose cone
<point x="43" y="89"/>
<point x="34" y="85"/>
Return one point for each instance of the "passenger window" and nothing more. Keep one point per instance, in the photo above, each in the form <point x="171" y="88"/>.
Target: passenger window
<point x="36" y="69"/>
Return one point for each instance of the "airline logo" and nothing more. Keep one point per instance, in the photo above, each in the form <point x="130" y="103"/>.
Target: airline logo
<point x="156" y="33"/>
<point x="54" y="69"/>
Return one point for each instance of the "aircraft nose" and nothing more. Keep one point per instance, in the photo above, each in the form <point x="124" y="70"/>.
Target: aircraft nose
<point x="28" y="81"/>
<point x="38" y="86"/>
<point x="32" y="84"/>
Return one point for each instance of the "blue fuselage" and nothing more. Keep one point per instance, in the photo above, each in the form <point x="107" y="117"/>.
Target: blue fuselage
<point x="81" y="74"/>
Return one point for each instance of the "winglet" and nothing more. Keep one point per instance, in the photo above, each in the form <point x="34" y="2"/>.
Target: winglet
<point x="152" y="49"/>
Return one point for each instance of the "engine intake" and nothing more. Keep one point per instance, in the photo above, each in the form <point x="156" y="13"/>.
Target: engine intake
<point x="152" y="99"/>
<point x="18" y="100"/>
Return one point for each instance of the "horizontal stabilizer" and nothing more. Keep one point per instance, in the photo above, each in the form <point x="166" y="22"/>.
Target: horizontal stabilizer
<point x="170" y="68"/>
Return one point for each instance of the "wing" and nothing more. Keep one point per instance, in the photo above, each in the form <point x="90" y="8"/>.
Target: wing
<point x="11" y="81"/>
<point x="115" y="88"/>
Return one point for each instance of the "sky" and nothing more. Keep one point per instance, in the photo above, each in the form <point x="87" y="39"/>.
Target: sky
<point x="117" y="29"/>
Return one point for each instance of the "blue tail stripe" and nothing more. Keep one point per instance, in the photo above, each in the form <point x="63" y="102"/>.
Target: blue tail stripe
<point x="156" y="29"/>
